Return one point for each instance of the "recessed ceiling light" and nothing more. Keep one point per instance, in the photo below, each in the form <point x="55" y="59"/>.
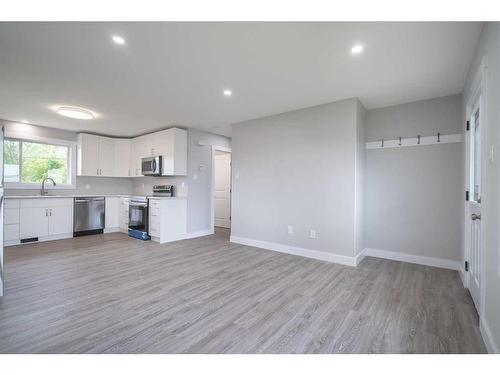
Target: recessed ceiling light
<point x="75" y="112"/>
<point x="24" y="121"/>
<point x="357" y="49"/>
<point x="227" y="92"/>
<point x="118" y="39"/>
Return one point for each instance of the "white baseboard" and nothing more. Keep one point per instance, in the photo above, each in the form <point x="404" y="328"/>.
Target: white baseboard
<point x="360" y="256"/>
<point x="200" y="233"/>
<point x="40" y="239"/>
<point x="416" y="259"/>
<point x="111" y="230"/>
<point x="489" y="341"/>
<point x="308" y="253"/>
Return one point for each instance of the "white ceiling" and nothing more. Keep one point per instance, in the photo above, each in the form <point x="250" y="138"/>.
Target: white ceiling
<point x="174" y="73"/>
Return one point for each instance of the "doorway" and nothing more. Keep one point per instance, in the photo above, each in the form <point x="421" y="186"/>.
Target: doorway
<point x="221" y="187"/>
<point x="474" y="168"/>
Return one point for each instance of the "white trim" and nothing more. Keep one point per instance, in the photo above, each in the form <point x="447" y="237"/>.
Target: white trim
<point x="412" y="142"/>
<point x="488" y="338"/>
<point x="477" y="91"/>
<point x="360" y="256"/>
<point x="212" y="182"/>
<point x="52" y="141"/>
<point x="200" y="233"/>
<point x="40" y="239"/>
<point x="111" y="230"/>
<point x="409" y="258"/>
<point x="308" y="253"/>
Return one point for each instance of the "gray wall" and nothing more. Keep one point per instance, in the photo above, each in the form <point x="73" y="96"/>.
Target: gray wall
<point x="297" y="168"/>
<point x="197" y="190"/>
<point x="489" y="47"/>
<point x="414" y="195"/>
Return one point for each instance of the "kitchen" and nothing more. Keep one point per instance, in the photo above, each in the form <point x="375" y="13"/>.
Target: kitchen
<point x="137" y="186"/>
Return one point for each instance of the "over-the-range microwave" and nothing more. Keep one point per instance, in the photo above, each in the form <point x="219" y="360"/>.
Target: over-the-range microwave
<point x="151" y="166"/>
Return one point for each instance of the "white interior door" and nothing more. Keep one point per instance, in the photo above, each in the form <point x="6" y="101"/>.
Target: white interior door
<point x="222" y="190"/>
<point x="473" y="218"/>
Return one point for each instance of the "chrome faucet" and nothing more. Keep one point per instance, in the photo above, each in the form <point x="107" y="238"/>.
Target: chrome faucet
<point x="44" y="191"/>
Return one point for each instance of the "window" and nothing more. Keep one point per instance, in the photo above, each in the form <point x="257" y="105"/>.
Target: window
<point x="27" y="162"/>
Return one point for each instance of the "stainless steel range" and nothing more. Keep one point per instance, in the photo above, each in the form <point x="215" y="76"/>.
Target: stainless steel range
<point x="163" y="190"/>
<point x="138" y="218"/>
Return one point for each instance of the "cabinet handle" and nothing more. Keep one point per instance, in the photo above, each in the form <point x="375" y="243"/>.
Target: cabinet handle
<point x="50" y="211"/>
<point x="46" y="212"/>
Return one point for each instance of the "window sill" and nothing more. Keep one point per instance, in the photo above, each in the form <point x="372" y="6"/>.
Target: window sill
<point x="14" y="185"/>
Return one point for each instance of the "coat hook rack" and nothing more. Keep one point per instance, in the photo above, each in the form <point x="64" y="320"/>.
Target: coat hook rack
<point x="418" y="140"/>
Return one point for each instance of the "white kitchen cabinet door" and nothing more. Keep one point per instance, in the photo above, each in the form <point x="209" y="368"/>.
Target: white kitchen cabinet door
<point x="33" y="222"/>
<point x="172" y="145"/>
<point x="138" y="152"/>
<point x="112" y="213"/>
<point x="124" y="210"/>
<point x="88" y="155"/>
<point x="106" y="156"/>
<point x="60" y="220"/>
<point x="122" y="158"/>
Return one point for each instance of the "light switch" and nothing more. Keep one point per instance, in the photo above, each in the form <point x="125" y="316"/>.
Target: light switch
<point x="237" y="175"/>
<point x="290" y="229"/>
<point x="195" y="176"/>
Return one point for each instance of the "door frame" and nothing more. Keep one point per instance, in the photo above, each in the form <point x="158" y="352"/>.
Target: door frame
<point x="212" y="184"/>
<point x="475" y="94"/>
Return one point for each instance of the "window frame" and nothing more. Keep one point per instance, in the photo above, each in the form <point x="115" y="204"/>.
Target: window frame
<point x="48" y="141"/>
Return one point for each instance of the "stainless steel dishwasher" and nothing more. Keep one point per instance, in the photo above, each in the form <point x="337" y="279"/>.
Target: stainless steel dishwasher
<point x="88" y="216"/>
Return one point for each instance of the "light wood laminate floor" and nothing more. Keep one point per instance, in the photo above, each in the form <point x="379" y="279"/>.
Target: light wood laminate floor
<point x="114" y="294"/>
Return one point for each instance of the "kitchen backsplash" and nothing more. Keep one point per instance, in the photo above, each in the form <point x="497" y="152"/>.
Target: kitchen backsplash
<point x="85" y="185"/>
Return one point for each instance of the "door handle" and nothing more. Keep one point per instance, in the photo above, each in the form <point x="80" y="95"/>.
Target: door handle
<point x="475" y="217"/>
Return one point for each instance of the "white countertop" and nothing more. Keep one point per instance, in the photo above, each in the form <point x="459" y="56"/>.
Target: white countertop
<point x="82" y="196"/>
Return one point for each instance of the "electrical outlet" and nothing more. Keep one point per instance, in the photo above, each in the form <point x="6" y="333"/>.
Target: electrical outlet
<point x="312" y="233"/>
<point x="290" y="229"/>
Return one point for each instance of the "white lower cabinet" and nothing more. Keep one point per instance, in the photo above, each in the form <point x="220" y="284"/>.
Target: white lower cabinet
<point x="34" y="222"/>
<point x="44" y="218"/>
<point x="60" y="220"/>
<point x="124" y="208"/>
<point x="112" y="214"/>
<point x="167" y="219"/>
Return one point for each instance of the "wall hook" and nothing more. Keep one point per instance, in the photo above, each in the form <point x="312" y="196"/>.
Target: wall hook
<point x="399" y="144"/>
<point x="418" y="139"/>
<point x="439" y="137"/>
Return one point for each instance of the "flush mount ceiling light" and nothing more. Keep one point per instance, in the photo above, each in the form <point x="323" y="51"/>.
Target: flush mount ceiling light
<point x="357" y="49"/>
<point x="118" y="39"/>
<point x="227" y="92"/>
<point x="75" y="112"/>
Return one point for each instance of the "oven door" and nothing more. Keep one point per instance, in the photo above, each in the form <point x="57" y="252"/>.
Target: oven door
<point x="138" y="216"/>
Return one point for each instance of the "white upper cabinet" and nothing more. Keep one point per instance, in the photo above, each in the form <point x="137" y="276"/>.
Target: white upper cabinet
<point x="122" y="158"/>
<point x="117" y="157"/>
<point x="96" y="155"/>
<point x="88" y="155"/>
<point x="106" y="156"/>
